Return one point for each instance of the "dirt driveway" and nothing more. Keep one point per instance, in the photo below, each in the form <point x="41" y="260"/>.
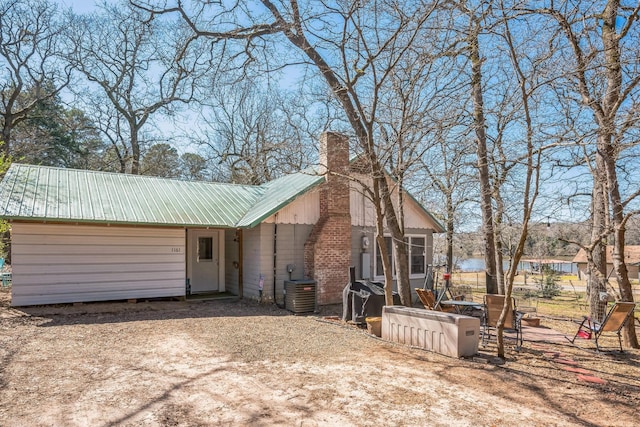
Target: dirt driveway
<point x="237" y="363"/>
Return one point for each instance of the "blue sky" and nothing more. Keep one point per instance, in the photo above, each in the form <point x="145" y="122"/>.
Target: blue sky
<point x="79" y="6"/>
<point x="166" y="126"/>
<point x="550" y="204"/>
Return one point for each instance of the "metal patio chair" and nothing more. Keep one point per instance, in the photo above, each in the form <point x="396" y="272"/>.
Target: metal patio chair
<point x="492" y="309"/>
<point x="614" y="321"/>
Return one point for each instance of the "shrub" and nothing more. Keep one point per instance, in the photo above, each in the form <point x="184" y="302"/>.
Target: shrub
<point x="548" y="286"/>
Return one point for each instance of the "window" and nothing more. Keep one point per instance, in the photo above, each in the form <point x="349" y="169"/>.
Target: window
<point x="205" y="249"/>
<point x="417" y="258"/>
<point x="416" y="246"/>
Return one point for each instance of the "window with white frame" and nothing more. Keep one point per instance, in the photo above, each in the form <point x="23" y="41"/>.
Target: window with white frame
<point x="416" y="246"/>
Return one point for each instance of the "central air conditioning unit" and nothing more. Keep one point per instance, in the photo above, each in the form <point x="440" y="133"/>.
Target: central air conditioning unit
<point x="300" y="296"/>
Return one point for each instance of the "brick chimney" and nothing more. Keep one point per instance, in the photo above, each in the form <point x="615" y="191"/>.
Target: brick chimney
<point x="327" y="251"/>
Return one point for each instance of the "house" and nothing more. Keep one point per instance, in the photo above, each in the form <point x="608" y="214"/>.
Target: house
<point x="93" y="236"/>
<point x="631" y="258"/>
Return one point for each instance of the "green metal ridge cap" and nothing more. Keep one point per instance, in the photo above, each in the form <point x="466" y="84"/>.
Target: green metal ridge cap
<point x="280" y="192"/>
<point x="19" y="166"/>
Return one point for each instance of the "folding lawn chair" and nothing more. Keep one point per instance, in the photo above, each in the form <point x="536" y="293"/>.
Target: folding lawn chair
<point x="492" y="309"/>
<point x="428" y="299"/>
<point x="614" y="321"/>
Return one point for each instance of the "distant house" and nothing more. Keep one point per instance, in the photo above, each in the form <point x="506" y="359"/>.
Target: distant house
<point x="93" y="236"/>
<point x="631" y="258"/>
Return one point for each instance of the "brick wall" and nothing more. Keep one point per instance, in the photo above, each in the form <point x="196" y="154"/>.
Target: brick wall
<point x="327" y="251"/>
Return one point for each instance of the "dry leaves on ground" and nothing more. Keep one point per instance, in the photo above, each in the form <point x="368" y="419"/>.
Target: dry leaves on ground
<point x="241" y="363"/>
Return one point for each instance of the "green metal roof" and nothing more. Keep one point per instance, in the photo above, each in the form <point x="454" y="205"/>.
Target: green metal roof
<point x="279" y="193"/>
<point x="54" y="194"/>
<point x="42" y="193"/>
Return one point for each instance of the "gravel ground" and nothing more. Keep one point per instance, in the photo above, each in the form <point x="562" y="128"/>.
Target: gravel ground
<point x="240" y="363"/>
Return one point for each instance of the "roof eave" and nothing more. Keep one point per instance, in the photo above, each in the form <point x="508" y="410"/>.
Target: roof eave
<point x="440" y="227"/>
<point x="111" y="222"/>
<point x="281" y="205"/>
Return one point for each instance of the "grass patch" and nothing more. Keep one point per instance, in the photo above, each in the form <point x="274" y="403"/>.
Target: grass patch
<point x="568" y="305"/>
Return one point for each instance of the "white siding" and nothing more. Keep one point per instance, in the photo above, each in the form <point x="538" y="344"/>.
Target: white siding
<point x="414" y="217"/>
<point x="290" y="250"/>
<point x="257" y="246"/>
<point x="363" y="214"/>
<point x="58" y="263"/>
<point x="303" y="210"/>
<point x="231" y="261"/>
<point x="357" y="250"/>
<point x="258" y="258"/>
<point x="306" y="210"/>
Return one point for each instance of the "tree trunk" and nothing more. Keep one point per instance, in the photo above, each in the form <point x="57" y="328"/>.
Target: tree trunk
<point x="483" y="162"/>
<point x="382" y="245"/>
<point x="135" y="149"/>
<point x="605" y="103"/>
<point x="6" y="134"/>
<point x="123" y="164"/>
<point x="449" y="237"/>
<point x="401" y="257"/>
<point x="596" y="258"/>
<point x="619" y="264"/>
<point x="498" y="241"/>
<point x="626" y="291"/>
<point x="612" y="96"/>
<point x="386" y="266"/>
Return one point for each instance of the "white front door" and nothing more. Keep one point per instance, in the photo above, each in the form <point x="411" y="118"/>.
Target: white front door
<point x="204" y="261"/>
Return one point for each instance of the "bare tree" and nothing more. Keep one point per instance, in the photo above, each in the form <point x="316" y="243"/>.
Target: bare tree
<point x="449" y="174"/>
<point x="31" y="70"/>
<point x="473" y="46"/>
<point x="254" y="134"/>
<point x="353" y="47"/>
<point x="527" y="64"/>
<point x="602" y="41"/>
<point x="142" y="66"/>
<point x="469" y="20"/>
<point x="508" y="152"/>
